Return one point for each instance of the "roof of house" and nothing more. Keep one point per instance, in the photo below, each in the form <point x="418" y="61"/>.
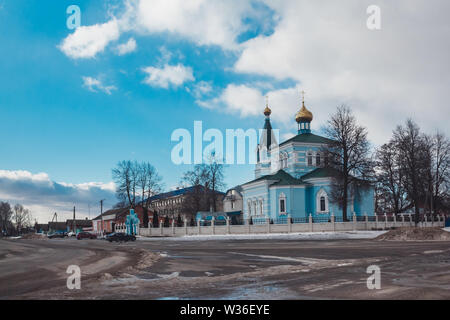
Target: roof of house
<point x="175" y="193"/>
<point x="320" y="173"/>
<point x="237" y="188"/>
<point x="80" y="222"/>
<point x="57" y="225"/>
<point x="282" y="178"/>
<point x="116" y="212"/>
<point x="308" y="138"/>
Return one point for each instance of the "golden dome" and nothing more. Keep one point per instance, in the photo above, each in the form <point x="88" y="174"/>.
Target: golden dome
<point x="304" y="115"/>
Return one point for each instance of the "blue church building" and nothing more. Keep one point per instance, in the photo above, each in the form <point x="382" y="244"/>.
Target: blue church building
<point x="291" y="178"/>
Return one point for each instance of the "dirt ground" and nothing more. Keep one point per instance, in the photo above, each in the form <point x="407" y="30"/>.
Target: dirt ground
<point x="415" y="234"/>
<point x="231" y="269"/>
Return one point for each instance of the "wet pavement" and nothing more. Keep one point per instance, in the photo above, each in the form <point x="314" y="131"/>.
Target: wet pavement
<point x="227" y="269"/>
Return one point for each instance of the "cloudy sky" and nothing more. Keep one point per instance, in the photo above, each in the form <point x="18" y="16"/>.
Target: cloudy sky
<point x="75" y="102"/>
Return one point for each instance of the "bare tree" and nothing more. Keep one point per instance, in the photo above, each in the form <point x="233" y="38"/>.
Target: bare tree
<point x="414" y="158"/>
<point x="5" y="217"/>
<point x="440" y="169"/>
<point x="214" y="171"/>
<point x="349" y="154"/>
<point x="197" y="199"/>
<point x="22" y="217"/>
<point x="150" y="184"/>
<point x="390" y="179"/>
<point x="125" y="175"/>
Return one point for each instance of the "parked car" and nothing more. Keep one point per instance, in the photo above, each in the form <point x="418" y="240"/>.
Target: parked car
<point x="86" y="235"/>
<point x="56" y="235"/>
<point x="116" y="236"/>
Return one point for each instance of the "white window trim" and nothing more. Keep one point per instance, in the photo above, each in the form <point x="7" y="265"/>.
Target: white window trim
<point x="282" y="196"/>
<point x="321" y="193"/>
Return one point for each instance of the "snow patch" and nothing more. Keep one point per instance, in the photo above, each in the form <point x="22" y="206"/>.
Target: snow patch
<point x="344" y="235"/>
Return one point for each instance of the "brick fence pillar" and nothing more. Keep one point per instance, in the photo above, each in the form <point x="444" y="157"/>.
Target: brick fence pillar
<point x="354" y="221"/>
<point x="228" y="225"/>
<point x="367" y="221"/>
<point x="310" y="223"/>
<point x="289" y="223"/>
<point x="333" y="221"/>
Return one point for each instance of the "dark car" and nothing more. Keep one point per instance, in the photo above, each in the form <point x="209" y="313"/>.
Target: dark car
<point x="86" y="235"/>
<point x="116" y="236"/>
<point x="56" y="235"/>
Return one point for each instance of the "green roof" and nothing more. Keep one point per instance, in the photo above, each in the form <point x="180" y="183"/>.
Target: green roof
<point x="308" y="138"/>
<point x="281" y="178"/>
<point x="320" y="173"/>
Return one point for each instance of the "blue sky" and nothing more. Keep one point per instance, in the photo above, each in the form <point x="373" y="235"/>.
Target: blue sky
<point x="73" y="106"/>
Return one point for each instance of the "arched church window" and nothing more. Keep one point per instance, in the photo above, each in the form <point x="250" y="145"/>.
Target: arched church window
<point x="310" y="159"/>
<point x="322" y="202"/>
<point x="282" y="203"/>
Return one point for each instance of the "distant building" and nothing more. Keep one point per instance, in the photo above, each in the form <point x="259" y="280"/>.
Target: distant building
<point x="171" y="204"/>
<point x="233" y="204"/>
<point x="117" y="216"/>
<point x="80" y="225"/>
<point x="41" y="227"/>
<point x="57" y="227"/>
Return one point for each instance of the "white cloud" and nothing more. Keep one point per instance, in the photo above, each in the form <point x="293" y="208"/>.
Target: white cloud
<point x="174" y="75"/>
<point x="202" y="89"/>
<point x="386" y="76"/>
<point x="44" y="196"/>
<point x="248" y="100"/>
<point x="201" y="21"/>
<point x="126" y="47"/>
<point x="93" y="84"/>
<point x="88" y="41"/>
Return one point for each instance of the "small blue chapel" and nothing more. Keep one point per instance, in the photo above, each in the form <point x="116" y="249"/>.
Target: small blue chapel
<point x="291" y="178"/>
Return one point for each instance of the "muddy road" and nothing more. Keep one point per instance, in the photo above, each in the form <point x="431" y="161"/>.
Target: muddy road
<point x="238" y="269"/>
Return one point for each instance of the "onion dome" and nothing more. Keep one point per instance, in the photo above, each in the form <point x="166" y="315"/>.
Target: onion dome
<point x="304" y="115"/>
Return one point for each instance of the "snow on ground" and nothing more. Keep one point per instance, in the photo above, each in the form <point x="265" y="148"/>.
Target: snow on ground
<point x="446" y="229"/>
<point x="279" y="236"/>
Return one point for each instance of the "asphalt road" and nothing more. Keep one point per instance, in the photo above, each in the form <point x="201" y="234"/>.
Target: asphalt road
<point x="240" y="269"/>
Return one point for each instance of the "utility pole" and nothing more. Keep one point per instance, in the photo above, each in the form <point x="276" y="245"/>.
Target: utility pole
<point x="74" y="222"/>
<point x="101" y="213"/>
